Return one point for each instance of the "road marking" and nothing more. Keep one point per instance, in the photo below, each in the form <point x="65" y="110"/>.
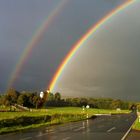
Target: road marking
<point x="111" y="129"/>
<point x="67" y="138"/>
<point x="50" y="131"/>
<point x="27" y="138"/>
<point x="80" y="128"/>
<point x="124" y="137"/>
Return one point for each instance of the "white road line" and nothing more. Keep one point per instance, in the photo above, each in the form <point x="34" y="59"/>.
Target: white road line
<point x="80" y="128"/>
<point x="67" y="138"/>
<point x="27" y="138"/>
<point x="50" y="131"/>
<point x="124" y="137"/>
<point x="111" y="129"/>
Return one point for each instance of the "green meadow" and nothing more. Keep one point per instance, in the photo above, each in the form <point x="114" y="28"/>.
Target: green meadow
<point x="136" y="125"/>
<point x="15" y="121"/>
<point x="58" y="110"/>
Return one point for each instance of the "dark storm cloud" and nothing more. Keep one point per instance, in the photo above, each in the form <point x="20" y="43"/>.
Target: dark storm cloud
<point x="20" y="19"/>
<point x="108" y="63"/>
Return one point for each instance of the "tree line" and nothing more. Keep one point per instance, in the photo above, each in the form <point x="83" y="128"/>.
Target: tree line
<point x="33" y="100"/>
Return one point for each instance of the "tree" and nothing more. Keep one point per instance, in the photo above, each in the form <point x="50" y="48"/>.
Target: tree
<point x="22" y="100"/>
<point x="91" y="102"/>
<point x="37" y="101"/>
<point x="57" y="96"/>
<point x="125" y="105"/>
<point x="133" y="107"/>
<point x="116" y="104"/>
<point x="12" y="96"/>
<point x="83" y="102"/>
<point x="50" y="97"/>
<point x="138" y="107"/>
<point x="1" y="99"/>
<point x="75" y="102"/>
<point x="7" y="100"/>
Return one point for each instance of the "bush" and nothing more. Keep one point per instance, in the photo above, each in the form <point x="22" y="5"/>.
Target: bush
<point x="24" y="121"/>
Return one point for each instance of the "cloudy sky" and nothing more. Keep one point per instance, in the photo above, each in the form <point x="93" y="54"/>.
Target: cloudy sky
<point x="107" y="66"/>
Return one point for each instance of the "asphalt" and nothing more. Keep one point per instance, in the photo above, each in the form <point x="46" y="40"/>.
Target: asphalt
<point x="112" y="127"/>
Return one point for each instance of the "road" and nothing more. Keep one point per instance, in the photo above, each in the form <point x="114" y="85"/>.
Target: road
<point x="101" y="128"/>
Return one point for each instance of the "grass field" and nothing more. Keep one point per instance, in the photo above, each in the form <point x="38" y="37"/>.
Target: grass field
<point x="58" y="110"/>
<point x="58" y="115"/>
<point x="78" y="110"/>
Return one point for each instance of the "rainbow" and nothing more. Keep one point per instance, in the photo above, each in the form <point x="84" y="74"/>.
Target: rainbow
<point x="92" y="30"/>
<point x="34" y="41"/>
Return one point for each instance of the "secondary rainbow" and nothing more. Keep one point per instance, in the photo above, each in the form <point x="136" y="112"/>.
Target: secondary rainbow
<point x="34" y="41"/>
<point x="83" y="39"/>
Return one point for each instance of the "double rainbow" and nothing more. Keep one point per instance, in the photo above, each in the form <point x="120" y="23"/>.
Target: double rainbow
<point x="39" y="33"/>
<point x="34" y="41"/>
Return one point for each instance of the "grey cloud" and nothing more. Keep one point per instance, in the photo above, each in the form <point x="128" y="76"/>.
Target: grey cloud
<point x="108" y="63"/>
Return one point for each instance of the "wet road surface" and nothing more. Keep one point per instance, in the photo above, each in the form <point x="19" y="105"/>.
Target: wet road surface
<point x="111" y="127"/>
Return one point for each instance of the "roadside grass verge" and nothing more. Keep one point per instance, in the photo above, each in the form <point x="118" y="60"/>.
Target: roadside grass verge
<point x="136" y="125"/>
<point x="16" y="121"/>
<point x="26" y="122"/>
